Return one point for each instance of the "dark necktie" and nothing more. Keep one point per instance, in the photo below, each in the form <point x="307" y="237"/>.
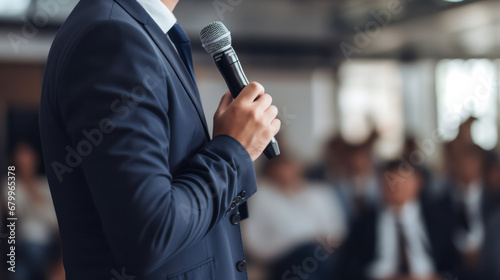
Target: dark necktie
<point x="403" y="265"/>
<point x="181" y="42"/>
<point x="463" y="218"/>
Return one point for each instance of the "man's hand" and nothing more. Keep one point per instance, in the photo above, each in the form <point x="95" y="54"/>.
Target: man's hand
<point x="250" y="118"/>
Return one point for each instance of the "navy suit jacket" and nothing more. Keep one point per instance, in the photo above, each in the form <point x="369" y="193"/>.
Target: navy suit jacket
<point x="140" y="190"/>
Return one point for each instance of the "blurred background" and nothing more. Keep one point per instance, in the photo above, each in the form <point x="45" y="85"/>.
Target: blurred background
<point x="390" y="116"/>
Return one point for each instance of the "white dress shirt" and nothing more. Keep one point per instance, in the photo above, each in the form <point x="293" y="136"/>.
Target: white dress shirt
<point x="472" y="199"/>
<point x="39" y="221"/>
<point x="159" y="13"/>
<point x="280" y="222"/>
<point x="386" y="254"/>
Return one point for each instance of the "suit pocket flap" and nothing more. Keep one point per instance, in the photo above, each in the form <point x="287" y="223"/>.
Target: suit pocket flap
<point x="202" y="271"/>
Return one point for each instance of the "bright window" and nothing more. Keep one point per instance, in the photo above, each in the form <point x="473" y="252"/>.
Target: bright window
<point x="14" y="8"/>
<point x="370" y="98"/>
<point x="468" y="88"/>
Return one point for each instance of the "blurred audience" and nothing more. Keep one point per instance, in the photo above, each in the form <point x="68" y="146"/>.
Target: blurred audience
<point x="289" y="217"/>
<point x="37" y="232"/>
<point x="351" y="169"/>
<point x="405" y="238"/>
<point x="422" y="234"/>
<point x="343" y="218"/>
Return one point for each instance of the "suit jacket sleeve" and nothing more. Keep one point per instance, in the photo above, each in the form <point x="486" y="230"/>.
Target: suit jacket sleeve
<point x="147" y="213"/>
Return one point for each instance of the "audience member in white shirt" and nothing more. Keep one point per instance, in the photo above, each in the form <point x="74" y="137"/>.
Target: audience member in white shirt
<point x="288" y="212"/>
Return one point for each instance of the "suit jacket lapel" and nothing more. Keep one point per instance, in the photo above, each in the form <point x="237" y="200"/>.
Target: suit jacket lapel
<point x="161" y="40"/>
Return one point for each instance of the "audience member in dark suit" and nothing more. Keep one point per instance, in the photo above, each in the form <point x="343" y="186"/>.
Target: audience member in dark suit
<point x="474" y="204"/>
<point x="408" y="237"/>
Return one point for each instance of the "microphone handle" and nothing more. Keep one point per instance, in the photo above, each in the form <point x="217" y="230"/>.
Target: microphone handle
<point x="230" y="68"/>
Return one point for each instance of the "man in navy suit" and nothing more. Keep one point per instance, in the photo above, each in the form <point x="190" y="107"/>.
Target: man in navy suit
<point x="140" y="189"/>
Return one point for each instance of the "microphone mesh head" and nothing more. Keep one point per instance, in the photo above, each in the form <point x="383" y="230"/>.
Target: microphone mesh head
<point x="215" y="37"/>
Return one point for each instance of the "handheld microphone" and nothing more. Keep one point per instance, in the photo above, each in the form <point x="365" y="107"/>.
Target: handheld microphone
<point x="216" y="40"/>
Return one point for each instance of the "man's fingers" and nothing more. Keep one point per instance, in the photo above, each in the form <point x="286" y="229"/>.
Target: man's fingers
<point x="276" y="124"/>
<point x="271" y="113"/>
<point x="264" y="101"/>
<point x="250" y="93"/>
<point x="224" y="103"/>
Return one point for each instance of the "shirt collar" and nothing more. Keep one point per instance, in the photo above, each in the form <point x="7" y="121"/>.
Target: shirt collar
<point x="410" y="211"/>
<point x="159" y="13"/>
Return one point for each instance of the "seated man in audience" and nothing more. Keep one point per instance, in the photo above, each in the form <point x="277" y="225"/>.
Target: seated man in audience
<point x="407" y="238"/>
<point x="474" y="206"/>
<point x="295" y="225"/>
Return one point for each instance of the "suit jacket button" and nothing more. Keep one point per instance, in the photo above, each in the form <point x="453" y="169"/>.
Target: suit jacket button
<point x="235" y="219"/>
<point x="243" y="194"/>
<point x="241" y="266"/>
<point x="238" y="200"/>
<point x="232" y="206"/>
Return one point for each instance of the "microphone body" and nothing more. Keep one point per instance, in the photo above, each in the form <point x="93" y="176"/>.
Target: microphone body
<point x="230" y="68"/>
